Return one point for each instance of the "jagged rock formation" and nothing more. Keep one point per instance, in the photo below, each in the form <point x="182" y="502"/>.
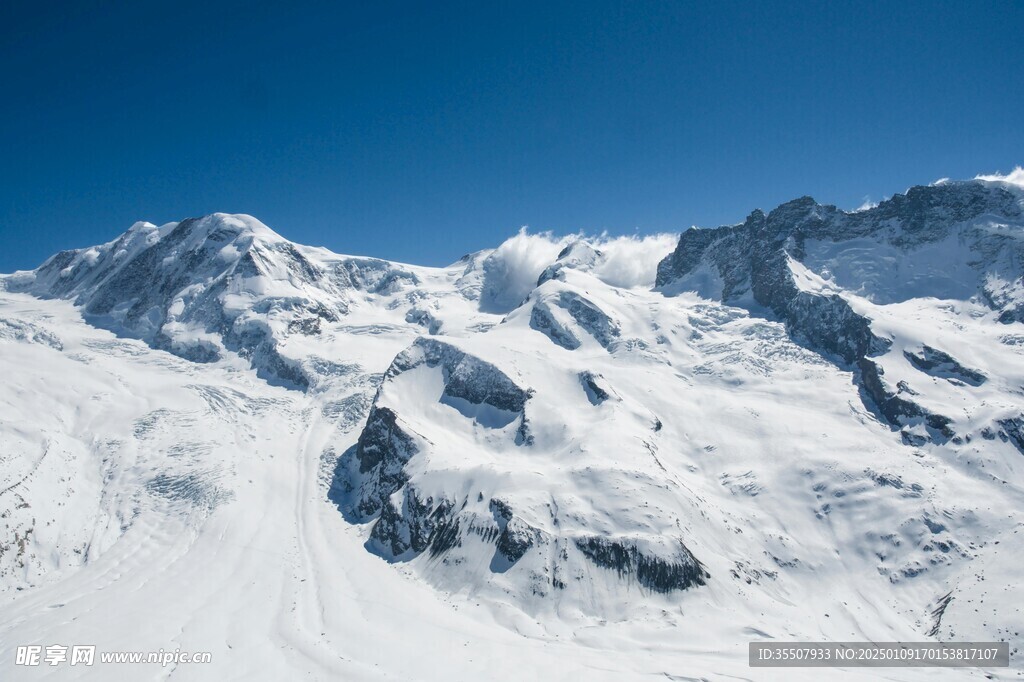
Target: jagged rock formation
<point x="1012" y="429"/>
<point x="819" y="269"/>
<point x="898" y="410"/>
<point x="546" y="320"/>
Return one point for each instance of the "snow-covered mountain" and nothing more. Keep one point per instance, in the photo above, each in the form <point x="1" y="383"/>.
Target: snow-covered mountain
<point x="837" y="280"/>
<point x="560" y="457"/>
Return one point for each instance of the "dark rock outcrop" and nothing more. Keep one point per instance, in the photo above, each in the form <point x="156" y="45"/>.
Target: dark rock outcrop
<point x="543" y="319"/>
<point x="897" y="410"/>
<point x="591" y="318"/>
<point x="1013" y="430"/>
<point x="591" y="383"/>
<point x="413" y="525"/>
<point x="515" y="535"/>
<point x="940" y="364"/>
<point x="382" y="451"/>
<point x="679" y="571"/>
<point x="583" y="312"/>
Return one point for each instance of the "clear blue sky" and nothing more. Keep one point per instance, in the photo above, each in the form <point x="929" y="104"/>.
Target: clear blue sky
<point x="420" y="131"/>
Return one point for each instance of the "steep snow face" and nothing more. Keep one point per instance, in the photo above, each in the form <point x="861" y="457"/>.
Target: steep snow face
<point x="531" y="455"/>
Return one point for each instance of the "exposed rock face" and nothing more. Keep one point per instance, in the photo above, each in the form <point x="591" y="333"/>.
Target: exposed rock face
<point x="941" y="364"/>
<point x="556" y="316"/>
<point x="762" y="264"/>
<point x="591" y="318"/>
<point x="899" y="411"/>
<point x="544" y="319"/>
<point x="523" y="434"/>
<point x="592" y="384"/>
<point x="678" y="570"/>
<point x="465" y="377"/>
<point x="383" y="450"/>
<point x="1013" y="430"/>
<point x="515" y="535"/>
<point x="411" y="525"/>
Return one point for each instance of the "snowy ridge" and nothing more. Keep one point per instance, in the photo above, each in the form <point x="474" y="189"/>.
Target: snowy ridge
<point x="531" y="462"/>
<point x="204" y="287"/>
<point x="834" y="277"/>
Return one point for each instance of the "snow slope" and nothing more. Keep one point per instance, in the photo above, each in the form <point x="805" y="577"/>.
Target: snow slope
<point x="529" y="463"/>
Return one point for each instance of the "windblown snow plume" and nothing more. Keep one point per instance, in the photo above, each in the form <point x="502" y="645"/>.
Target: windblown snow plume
<point x="631" y="261"/>
<point x="1014" y="177"/>
<point x="512" y="270"/>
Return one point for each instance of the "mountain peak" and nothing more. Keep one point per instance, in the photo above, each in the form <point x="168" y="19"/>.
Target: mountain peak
<point x="236" y="228"/>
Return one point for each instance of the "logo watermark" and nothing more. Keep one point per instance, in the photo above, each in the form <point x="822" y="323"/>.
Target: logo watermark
<point x="86" y="654"/>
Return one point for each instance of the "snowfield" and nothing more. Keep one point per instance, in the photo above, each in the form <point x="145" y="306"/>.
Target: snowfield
<point x="561" y="459"/>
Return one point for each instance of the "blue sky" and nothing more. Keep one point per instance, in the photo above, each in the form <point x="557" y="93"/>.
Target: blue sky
<point x="420" y="131"/>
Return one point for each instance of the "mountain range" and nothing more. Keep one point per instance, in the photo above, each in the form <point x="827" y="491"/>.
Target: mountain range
<point x="623" y="458"/>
